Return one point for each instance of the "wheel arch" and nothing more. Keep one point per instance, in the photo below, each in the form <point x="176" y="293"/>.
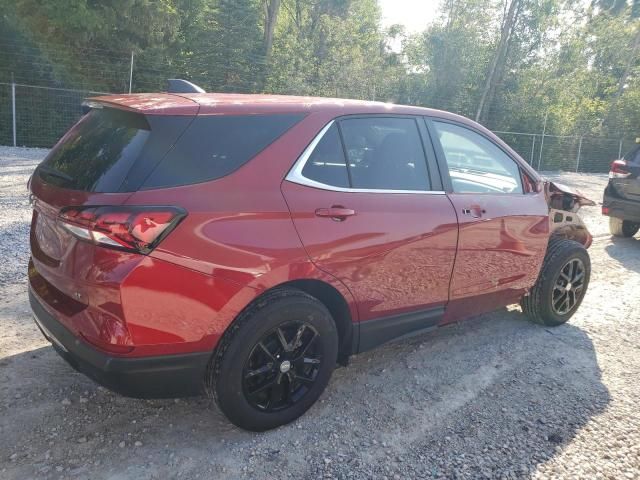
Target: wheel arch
<point x="342" y="310"/>
<point x="569" y="225"/>
<point x="337" y="305"/>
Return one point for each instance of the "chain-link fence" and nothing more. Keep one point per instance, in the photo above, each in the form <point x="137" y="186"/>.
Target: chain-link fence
<point x="36" y="116"/>
<point x="569" y="153"/>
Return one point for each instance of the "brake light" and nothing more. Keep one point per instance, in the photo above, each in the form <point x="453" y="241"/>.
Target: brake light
<point x="133" y="228"/>
<point x="619" y="169"/>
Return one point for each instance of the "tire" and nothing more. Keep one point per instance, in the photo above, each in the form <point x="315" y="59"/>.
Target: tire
<point x="545" y="302"/>
<point x="253" y="354"/>
<point x="622" y="228"/>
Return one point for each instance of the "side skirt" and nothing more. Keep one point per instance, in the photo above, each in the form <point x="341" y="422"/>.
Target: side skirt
<point x="382" y="330"/>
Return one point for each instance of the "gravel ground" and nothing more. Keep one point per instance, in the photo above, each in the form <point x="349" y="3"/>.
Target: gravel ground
<point x="495" y="397"/>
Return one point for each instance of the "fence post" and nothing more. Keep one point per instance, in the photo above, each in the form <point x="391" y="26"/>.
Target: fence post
<point x="13" y="109"/>
<point x="541" y="145"/>
<point x="533" y="149"/>
<point x="131" y="72"/>
<point x="544" y="129"/>
<point x="579" y="150"/>
<point x="620" y="149"/>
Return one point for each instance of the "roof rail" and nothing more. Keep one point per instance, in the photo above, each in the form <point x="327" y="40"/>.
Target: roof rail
<point x="177" y="85"/>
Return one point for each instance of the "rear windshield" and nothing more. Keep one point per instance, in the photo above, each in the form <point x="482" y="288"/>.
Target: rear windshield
<point x="112" y="150"/>
<point x="634" y="155"/>
<point x="89" y="157"/>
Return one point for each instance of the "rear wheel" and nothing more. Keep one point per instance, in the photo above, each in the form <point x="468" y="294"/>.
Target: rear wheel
<point x="275" y="360"/>
<point x="622" y="228"/>
<point x="562" y="283"/>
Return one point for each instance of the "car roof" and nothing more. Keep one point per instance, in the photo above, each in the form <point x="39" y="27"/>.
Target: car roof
<point x="233" y="103"/>
<point x="249" y="104"/>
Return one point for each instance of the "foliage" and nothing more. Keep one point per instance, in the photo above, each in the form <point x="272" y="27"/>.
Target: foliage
<point x="571" y="62"/>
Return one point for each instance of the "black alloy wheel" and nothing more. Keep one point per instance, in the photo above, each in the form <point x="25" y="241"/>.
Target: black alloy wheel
<point x="274" y="361"/>
<point x="568" y="287"/>
<point x="561" y="285"/>
<point x="282" y="367"/>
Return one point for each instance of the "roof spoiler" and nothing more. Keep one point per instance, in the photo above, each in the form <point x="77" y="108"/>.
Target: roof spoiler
<point x="177" y="85"/>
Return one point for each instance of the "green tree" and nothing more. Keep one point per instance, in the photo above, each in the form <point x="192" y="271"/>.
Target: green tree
<point x="330" y="48"/>
<point x="106" y="31"/>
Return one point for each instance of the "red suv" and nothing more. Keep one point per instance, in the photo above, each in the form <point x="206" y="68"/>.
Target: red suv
<point x="243" y="245"/>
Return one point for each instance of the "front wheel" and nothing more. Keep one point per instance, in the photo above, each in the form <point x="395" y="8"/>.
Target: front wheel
<point x="274" y="361"/>
<point x="622" y="228"/>
<point x="562" y="283"/>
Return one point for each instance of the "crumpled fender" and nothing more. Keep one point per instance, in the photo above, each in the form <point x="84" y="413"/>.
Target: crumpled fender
<point x="559" y="195"/>
<point x="564" y="202"/>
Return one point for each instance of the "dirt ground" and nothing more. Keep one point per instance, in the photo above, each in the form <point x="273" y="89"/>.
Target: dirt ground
<point x="495" y="397"/>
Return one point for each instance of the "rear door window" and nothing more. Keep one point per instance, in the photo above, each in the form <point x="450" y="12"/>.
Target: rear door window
<point x="216" y="145"/>
<point x="385" y="153"/>
<point x="326" y="164"/>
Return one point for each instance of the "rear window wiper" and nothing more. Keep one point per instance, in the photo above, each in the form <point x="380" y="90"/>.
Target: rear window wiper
<point x="55" y="173"/>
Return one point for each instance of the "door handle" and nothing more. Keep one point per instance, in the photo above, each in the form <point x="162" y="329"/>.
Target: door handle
<point x="475" y="211"/>
<point x="336" y="212"/>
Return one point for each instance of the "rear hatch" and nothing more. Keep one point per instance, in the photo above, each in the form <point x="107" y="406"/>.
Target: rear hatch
<point x="79" y="191"/>
<point x="93" y="219"/>
<point x="625" y="176"/>
<point x="103" y="159"/>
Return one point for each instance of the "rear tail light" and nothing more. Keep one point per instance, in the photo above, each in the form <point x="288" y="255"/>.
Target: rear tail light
<point x="132" y="228"/>
<point x="619" y="169"/>
<point x="605" y="210"/>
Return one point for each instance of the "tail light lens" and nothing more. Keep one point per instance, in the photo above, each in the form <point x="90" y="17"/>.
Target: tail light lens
<point x="132" y="228"/>
<point x="619" y="169"/>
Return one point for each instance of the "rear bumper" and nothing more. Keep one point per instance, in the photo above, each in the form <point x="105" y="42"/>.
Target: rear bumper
<point x="146" y="377"/>
<point x="621" y="208"/>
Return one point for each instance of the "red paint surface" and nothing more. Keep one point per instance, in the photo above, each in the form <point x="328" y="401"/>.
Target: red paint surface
<point x="252" y="231"/>
<point x="499" y="253"/>
<point x="151" y="103"/>
<point x="395" y="254"/>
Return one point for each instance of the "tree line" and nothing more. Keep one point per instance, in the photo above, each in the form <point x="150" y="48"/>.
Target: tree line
<point x="511" y="64"/>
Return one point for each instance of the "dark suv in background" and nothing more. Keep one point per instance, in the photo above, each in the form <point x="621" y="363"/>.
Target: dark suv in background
<point x="622" y="195"/>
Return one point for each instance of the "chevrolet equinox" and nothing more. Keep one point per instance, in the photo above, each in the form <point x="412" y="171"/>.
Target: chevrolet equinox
<point x="244" y="245"/>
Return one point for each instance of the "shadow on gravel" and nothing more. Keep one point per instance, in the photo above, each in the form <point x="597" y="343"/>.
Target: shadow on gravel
<point x="544" y="392"/>
<point x="495" y="397"/>
<point x="625" y="251"/>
